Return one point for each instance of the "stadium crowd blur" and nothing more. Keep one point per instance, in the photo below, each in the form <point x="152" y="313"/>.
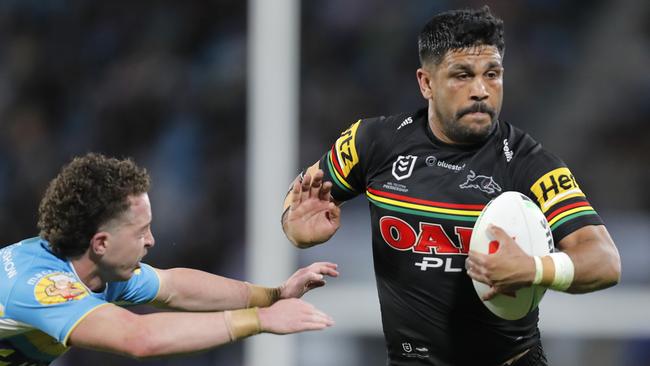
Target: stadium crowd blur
<point x="165" y="83"/>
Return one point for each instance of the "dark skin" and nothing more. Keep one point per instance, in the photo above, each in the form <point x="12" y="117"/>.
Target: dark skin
<point x="462" y="80"/>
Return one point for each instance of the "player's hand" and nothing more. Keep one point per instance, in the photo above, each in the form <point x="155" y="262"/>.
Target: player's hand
<point x="307" y="278"/>
<point x="312" y="217"/>
<point x="506" y="270"/>
<point x="292" y="316"/>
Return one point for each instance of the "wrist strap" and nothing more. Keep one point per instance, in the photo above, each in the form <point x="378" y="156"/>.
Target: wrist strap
<point x="554" y="271"/>
<point x="564" y="271"/>
<point x="262" y="296"/>
<point x="242" y="323"/>
<point x="539" y="270"/>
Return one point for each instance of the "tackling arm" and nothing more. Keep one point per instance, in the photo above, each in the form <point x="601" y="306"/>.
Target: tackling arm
<point x="194" y="290"/>
<point x="116" y="330"/>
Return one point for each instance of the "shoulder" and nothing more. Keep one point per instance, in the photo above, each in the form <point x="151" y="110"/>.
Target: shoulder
<point x="520" y="148"/>
<point x="28" y="257"/>
<point x="383" y="130"/>
<point x="31" y="271"/>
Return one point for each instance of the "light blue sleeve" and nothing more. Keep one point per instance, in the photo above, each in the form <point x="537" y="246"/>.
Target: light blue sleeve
<point x="141" y="288"/>
<point x="53" y="302"/>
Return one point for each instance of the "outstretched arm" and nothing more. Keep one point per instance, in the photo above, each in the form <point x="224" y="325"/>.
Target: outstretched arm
<point x="194" y="290"/>
<point x="310" y="215"/>
<point x="595" y="259"/>
<point x="113" y="329"/>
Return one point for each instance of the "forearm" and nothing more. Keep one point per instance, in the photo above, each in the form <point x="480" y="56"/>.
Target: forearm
<point x="116" y="330"/>
<point x="178" y="333"/>
<point x="194" y="290"/>
<point x="593" y="262"/>
<point x="595" y="267"/>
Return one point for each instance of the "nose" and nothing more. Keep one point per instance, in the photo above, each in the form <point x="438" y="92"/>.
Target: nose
<point x="478" y="91"/>
<point x="150" y="241"/>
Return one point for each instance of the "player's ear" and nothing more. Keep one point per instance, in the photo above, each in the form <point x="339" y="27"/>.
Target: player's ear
<point x="99" y="243"/>
<point x="425" y="81"/>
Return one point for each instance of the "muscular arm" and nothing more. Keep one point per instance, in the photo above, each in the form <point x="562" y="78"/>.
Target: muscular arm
<point x="116" y="330"/>
<point x="194" y="290"/>
<point x="595" y="258"/>
<point x="310" y="215"/>
<point x="597" y="264"/>
<point x="113" y="329"/>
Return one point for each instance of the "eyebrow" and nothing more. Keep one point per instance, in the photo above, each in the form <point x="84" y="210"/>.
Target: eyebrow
<point x="467" y="68"/>
<point x="461" y="67"/>
<point x="494" y="64"/>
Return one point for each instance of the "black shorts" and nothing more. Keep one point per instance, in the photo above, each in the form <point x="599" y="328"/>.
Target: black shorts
<point x="534" y="357"/>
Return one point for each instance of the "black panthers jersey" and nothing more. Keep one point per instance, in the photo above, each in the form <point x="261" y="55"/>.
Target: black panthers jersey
<point x="425" y="197"/>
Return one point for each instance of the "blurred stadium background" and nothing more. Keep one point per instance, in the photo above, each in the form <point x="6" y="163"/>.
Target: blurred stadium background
<point x="165" y="82"/>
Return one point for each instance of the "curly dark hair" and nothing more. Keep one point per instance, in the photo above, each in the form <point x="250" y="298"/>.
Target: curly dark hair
<point x="457" y="29"/>
<point x="87" y="192"/>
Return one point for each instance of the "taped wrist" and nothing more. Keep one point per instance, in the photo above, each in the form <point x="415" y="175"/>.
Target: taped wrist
<point x="555" y="271"/>
<point x="262" y="296"/>
<point x="242" y="323"/>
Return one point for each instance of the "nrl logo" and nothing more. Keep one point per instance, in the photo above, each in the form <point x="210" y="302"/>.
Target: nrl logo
<point x="481" y="182"/>
<point x="407" y="347"/>
<point x="403" y="166"/>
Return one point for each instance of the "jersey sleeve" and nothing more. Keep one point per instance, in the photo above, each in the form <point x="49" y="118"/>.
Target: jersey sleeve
<point x="548" y="181"/>
<point x="53" y="303"/>
<point x="344" y="164"/>
<point x="141" y="288"/>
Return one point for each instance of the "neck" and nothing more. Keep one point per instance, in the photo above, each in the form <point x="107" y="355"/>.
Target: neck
<point x="88" y="272"/>
<point x="434" y="125"/>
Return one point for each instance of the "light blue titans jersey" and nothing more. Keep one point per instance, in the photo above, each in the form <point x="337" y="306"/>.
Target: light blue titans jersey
<point x="42" y="300"/>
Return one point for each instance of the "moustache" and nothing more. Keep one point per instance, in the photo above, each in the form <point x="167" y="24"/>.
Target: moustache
<point x="476" y="108"/>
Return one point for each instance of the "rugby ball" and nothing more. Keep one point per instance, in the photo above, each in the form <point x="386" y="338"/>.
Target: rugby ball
<point x="524" y="221"/>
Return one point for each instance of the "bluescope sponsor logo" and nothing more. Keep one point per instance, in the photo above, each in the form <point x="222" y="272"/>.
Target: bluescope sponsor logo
<point x="555" y="186"/>
<point x="346" y="152"/>
<point x="58" y="287"/>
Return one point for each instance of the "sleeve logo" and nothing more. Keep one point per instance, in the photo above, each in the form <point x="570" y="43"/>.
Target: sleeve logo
<point x="2" y="311"/>
<point x="346" y="151"/>
<point x="58" y="288"/>
<point x="555" y="186"/>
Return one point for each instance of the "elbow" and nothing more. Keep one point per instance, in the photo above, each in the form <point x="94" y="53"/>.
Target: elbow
<point x="611" y="272"/>
<point x="614" y="272"/>
<point x="141" y="344"/>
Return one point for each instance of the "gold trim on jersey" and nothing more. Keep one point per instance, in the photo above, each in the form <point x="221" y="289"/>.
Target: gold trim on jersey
<point x="346" y="151"/>
<point x="555" y="186"/>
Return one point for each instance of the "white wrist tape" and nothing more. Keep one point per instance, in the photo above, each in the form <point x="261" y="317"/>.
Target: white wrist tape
<point x="539" y="270"/>
<point x="564" y="271"/>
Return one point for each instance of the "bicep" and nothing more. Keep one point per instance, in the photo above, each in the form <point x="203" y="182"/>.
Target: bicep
<point x="164" y="295"/>
<point x="592" y="234"/>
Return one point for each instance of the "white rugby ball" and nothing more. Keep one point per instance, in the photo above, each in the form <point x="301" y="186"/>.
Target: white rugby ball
<point x="524" y="221"/>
